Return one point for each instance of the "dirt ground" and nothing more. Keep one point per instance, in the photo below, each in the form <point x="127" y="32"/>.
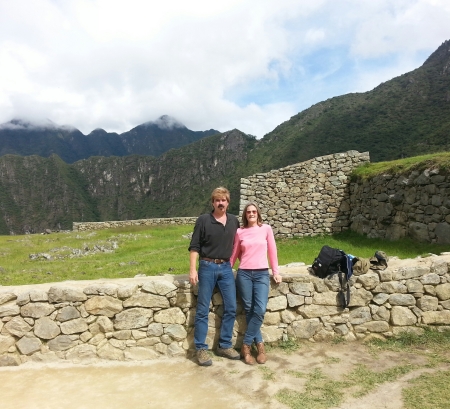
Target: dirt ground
<point x="180" y="383"/>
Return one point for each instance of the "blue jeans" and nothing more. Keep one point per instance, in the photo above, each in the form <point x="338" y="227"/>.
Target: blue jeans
<point x="253" y="288"/>
<point x="210" y="275"/>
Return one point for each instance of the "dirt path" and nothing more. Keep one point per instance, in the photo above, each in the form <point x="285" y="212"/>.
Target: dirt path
<point x="180" y="383"/>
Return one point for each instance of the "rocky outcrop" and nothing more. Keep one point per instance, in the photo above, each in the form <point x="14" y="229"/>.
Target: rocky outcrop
<point x="144" y="318"/>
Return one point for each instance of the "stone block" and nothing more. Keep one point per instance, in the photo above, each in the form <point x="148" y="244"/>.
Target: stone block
<point x="62" y="342"/>
<point x="428" y="303"/>
<point x="170" y="316"/>
<point x="277" y="303"/>
<point x="175" y="332"/>
<point x="17" y="326"/>
<point x="6" y="297"/>
<point x="402" y="316"/>
<point x="159" y="287"/>
<point x="402" y="299"/>
<point x="9" y="309"/>
<point x="360" y="315"/>
<point x="103" y="305"/>
<point x="67" y="313"/>
<point x="316" y="311"/>
<point x="146" y="301"/>
<point x="46" y="328"/>
<point x="443" y="291"/>
<point x="133" y="318"/>
<point x="304" y="329"/>
<point x="436" y="317"/>
<point x="61" y="294"/>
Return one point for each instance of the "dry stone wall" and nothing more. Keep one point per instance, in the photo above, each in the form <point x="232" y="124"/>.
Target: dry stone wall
<point x="415" y="204"/>
<point x="85" y="226"/>
<point x="317" y="197"/>
<point x="148" y="317"/>
<point x="305" y="199"/>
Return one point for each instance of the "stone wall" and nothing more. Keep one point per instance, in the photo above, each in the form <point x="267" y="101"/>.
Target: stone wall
<point x="415" y="204"/>
<point x="147" y="317"/>
<point x="305" y="199"/>
<point x="84" y="226"/>
<point x="317" y="197"/>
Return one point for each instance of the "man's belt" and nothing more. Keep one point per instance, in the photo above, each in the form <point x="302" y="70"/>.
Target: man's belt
<point x="215" y="260"/>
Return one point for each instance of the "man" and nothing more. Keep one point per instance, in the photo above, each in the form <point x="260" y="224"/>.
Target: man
<point x="212" y="240"/>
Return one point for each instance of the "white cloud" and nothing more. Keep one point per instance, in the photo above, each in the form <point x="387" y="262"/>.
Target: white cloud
<point x="245" y="64"/>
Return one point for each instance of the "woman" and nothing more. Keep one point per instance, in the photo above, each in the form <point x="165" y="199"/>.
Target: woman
<point x="252" y="243"/>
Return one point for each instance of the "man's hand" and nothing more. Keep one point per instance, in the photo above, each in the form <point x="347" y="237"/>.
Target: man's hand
<point x="278" y="279"/>
<point x="193" y="273"/>
<point x="193" y="277"/>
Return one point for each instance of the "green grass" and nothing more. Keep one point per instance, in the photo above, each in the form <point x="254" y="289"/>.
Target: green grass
<point x="428" y="391"/>
<point x="155" y="251"/>
<point x="289" y="346"/>
<point x="306" y="249"/>
<point x="150" y="251"/>
<point x="437" y="160"/>
<point x="320" y="393"/>
<point x="365" y="380"/>
<point x="268" y="374"/>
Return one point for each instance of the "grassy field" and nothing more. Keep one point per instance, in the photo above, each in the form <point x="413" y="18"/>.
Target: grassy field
<point x="126" y="252"/>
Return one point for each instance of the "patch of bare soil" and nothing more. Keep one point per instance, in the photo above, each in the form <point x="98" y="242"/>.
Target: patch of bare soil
<point x="180" y="383"/>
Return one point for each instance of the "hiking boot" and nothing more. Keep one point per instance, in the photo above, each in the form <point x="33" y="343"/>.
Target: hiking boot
<point x="203" y="357"/>
<point x="261" y="358"/>
<point x="229" y="353"/>
<point x="246" y="354"/>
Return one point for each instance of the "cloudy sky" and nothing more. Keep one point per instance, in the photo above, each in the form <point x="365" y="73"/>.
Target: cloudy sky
<point x="246" y="64"/>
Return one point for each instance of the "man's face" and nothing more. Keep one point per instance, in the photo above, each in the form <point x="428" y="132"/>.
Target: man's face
<point x="220" y="203"/>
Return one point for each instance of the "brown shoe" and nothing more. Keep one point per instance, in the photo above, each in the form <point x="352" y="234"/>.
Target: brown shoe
<point x="261" y="358"/>
<point x="246" y="354"/>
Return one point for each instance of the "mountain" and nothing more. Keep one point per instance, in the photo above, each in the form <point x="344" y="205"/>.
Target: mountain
<point x="155" y="138"/>
<point x="38" y="193"/>
<point x="22" y="137"/>
<point x="406" y="116"/>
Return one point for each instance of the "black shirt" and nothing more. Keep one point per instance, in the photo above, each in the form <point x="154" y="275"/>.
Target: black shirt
<point x="211" y="238"/>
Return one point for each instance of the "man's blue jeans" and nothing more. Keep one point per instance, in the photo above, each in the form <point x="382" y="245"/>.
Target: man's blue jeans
<point x="253" y="288"/>
<point x="210" y="275"/>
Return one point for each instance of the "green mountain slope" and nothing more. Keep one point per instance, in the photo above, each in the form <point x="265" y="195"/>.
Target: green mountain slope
<point x="406" y="116"/>
<point x="38" y="193"/>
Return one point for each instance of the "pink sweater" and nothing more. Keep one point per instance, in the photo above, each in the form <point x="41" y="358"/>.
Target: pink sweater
<point x="251" y="247"/>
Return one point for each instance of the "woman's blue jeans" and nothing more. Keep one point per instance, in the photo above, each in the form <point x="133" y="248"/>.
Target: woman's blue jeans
<point x="253" y="288"/>
<point x="210" y="275"/>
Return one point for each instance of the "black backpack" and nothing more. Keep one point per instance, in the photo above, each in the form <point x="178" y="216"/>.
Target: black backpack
<point x="334" y="261"/>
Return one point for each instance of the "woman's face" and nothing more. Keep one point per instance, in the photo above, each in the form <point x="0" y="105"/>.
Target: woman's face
<point x="251" y="214"/>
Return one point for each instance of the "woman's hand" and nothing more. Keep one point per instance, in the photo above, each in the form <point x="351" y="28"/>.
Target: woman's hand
<point x="278" y="279"/>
